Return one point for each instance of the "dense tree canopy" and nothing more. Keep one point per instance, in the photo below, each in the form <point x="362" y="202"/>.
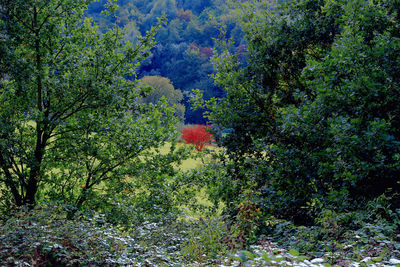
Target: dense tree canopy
<point x="315" y="102"/>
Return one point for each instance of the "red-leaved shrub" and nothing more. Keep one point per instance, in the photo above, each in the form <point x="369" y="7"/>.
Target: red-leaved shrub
<point x="197" y="135"/>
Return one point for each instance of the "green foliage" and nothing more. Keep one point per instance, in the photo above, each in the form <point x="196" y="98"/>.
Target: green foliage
<point x="310" y="123"/>
<point x="162" y="87"/>
<point x="74" y="130"/>
<point x="44" y="237"/>
<point x="206" y="242"/>
<point x="310" y="114"/>
<point x="344" y="236"/>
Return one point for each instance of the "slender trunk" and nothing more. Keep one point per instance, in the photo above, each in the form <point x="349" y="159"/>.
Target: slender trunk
<point x="81" y="199"/>
<point x="41" y="126"/>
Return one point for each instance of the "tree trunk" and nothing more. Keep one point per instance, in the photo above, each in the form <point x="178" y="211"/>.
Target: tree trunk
<point x="35" y="167"/>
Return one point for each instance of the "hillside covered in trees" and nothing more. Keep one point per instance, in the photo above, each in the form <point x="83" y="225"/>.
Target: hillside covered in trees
<point x="184" y="45"/>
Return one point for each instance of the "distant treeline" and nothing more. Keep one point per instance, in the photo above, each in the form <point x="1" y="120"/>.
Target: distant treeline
<point x="184" y="46"/>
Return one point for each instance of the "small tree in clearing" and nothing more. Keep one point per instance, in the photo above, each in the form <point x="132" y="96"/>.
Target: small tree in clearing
<point x="197" y="135"/>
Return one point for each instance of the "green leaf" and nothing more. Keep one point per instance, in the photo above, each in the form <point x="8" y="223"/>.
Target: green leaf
<point x="266" y="257"/>
<point x="377" y="259"/>
<point x="294" y="252"/>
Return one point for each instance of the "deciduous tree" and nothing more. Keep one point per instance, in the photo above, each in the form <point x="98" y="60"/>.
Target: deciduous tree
<point x="199" y="135"/>
<point x="71" y="127"/>
<point x="162" y="87"/>
<point x="315" y="104"/>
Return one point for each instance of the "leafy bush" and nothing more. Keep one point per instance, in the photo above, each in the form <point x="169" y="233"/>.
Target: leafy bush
<point x="198" y="135"/>
<point x="207" y="241"/>
<point x="340" y="236"/>
<point x="43" y="236"/>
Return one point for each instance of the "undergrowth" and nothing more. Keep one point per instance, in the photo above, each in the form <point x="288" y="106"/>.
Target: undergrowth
<point x="45" y="237"/>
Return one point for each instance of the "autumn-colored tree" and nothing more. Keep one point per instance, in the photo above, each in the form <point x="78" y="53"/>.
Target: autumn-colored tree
<point x="186" y="15"/>
<point x="206" y="53"/>
<point x="194" y="48"/>
<point x="198" y="135"/>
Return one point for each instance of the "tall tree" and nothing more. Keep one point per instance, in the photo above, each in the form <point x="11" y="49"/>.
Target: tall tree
<point x="70" y="122"/>
<point x="314" y="102"/>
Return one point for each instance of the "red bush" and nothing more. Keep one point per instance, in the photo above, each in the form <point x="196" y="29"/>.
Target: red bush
<point x="197" y="135"/>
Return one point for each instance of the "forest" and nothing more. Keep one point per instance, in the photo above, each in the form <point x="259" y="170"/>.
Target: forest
<point x="184" y="46"/>
<point x="200" y="133"/>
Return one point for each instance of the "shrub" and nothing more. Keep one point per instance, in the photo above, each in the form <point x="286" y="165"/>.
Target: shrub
<point x="207" y="241"/>
<point x="44" y="237"/>
<point x="198" y="135"/>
